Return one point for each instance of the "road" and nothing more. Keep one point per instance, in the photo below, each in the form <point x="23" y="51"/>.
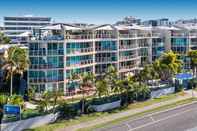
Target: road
<point x="183" y="118"/>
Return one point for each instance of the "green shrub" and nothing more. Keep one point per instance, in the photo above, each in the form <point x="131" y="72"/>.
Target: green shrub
<point x="16" y="100"/>
<point x="3" y="100"/>
<point x="179" y="88"/>
<point x="41" y="106"/>
<point x="68" y="110"/>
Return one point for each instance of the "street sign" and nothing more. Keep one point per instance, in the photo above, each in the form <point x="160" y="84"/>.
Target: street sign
<point x="12" y="109"/>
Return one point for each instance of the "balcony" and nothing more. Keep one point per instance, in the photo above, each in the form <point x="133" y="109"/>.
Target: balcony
<point x="104" y="36"/>
<point x="127" y="35"/>
<point x="80" y="63"/>
<point x="127" y="67"/>
<point x="156" y="34"/>
<point x="43" y="80"/>
<point x="128" y="57"/>
<point x="49" y="37"/>
<point x="79" y="37"/>
<point x="179" y="35"/>
<point x="37" y="52"/>
<point x="127" y="46"/>
<point x="45" y="66"/>
<point x="79" y="51"/>
<point x="55" y="52"/>
<point x="144" y="35"/>
<point x="105" y="49"/>
<point x="193" y="34"/>
<point x="105" y="59"/>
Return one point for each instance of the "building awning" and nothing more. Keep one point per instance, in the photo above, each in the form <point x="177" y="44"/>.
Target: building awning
<point x="52" y="27"/>
<point x="25" y="34"/>
<point x="167" y="28"/>
<point x="69" y="27"/>
<point x="105" y="27"/>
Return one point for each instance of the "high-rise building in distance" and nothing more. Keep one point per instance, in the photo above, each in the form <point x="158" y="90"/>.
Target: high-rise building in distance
<point x="14" y="27"/>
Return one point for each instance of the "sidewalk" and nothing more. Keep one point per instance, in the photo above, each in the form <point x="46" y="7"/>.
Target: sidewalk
<point x="106" y="119"/>
<point x="28" y="123"/>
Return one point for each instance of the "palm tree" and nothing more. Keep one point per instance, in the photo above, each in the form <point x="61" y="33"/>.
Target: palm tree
<point x="102" y="88"/>
<point x="193" y="57"/>
<point x="74" y="77"/>
<point x="167" y="65"/>
<point x="56" y="95"/>
<point x="119" y="87"/>
<point x="15" y="62"/>
<point x="129" y="82"/>
<point x="86" y="84"/>
<point x="111" y="77"/>
<point x="144" y="91"/>
<point x="4" y="39"/>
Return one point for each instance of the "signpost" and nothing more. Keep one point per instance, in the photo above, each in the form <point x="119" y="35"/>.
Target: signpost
<point x="12" y="110"/>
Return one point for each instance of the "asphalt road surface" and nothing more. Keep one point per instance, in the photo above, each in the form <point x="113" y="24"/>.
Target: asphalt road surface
<point x="179" y="119"/>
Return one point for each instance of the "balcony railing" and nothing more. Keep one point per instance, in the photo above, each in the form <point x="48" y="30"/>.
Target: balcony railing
<point x="143" y="35"/>
<point x="127" y="35"/>
<point x="55" y="52"/>
<point x="105" y="36"/>
<point x="127" y="46"/>
<point x="156" y="34"/>
<point x="49" y="37"/>
<point x="39" y="80"/>
<point x="80" y="63"/>
<point x="37" y="52"/>
<point x="193" y="34"/>
<point x="179" y="35"/>
<point x="105" y="49"/>
<point x="45" y="66"/>
<point x="105" y="59"/>
<point x="127" y="67"/>
<point x="78" y="37"/>
<point x="78" y="51"/>
<point x="128" y="57"/>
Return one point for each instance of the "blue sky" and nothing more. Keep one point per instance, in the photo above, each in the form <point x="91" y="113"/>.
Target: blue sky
<point x="99" y="11"/>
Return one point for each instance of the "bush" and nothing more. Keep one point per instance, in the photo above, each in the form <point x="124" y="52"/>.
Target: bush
<point x="68" y="110"/>
<point x="16" y="100"/>
<point x="179" y="88"/>
<point x="3" y="100"/>
<point x="41" y="106"/>
<point x="103" y="100"/>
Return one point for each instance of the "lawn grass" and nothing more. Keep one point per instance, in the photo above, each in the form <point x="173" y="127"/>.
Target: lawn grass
<point x="93" y="116"/>
<point x="117" y="121"/>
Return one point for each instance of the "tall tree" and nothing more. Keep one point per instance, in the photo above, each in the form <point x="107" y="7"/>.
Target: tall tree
<point x="4" y="39"/>
<point x="167" y="65"/>
<point x="193" y="57"/>
<point x="102" y="88"/>
<point x="86" y="84"/>
<point x="111" y="77"/>
<point x="15" y="61"/>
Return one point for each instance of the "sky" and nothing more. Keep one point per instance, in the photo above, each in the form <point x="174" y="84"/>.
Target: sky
<point x="99" y="11"/>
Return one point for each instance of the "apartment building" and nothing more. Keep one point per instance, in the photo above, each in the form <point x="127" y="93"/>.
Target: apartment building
<point x="58" y="51"/>
<point x="15" y="27"/>
<point x="180" y="39"/>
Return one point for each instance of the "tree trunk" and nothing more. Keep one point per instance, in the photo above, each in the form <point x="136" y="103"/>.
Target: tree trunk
<point x="11" y="79"/>
<point x="83" y="104"/>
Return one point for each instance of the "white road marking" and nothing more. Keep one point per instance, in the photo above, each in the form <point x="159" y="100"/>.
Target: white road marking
<point x="166" y="118"/>
<point x="129" y="126"/>
<point x="152" y="118"/>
